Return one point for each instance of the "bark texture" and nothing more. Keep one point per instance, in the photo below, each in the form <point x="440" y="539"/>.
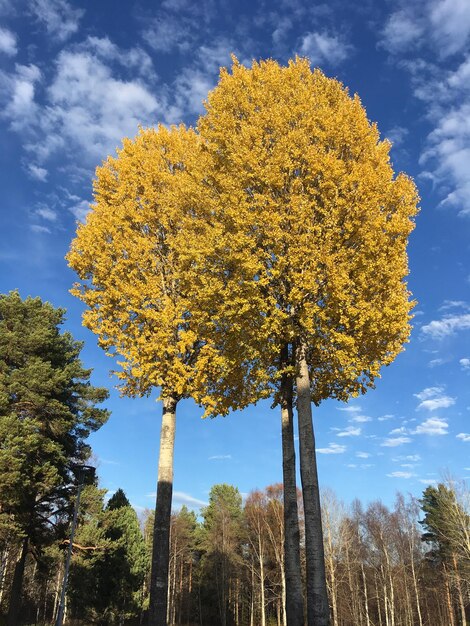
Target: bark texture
<point x="318" y="612"/>
<point x="17" y="585"/>
<point x="161" y="530"/>
<point x="294" y="599"/>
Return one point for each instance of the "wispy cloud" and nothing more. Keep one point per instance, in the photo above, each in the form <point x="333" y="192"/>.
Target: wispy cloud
<point x="361" y="419"/>
<point x="8" y="42"/>
<point x="220" y="457"/>
<point x="400" y="474"/>
<point x="385" y="418"/>
<point x="432" y="426"/>
<point x="441" y="24"/>
<point x="465" y="364"/>
<point x="333" y="448"/>
<point x="393" y="442"/>
<point x="59" y="17"/>
<point x="325" y="48"/>
<point x="433" y="398"/>
<point x="464" y="436"/>
<point x="363" y="455"/>
<point x="180" y="498"/>
<point x="350" y="409"/>
<point x="349" y="431"/>
<point x="431" y="36"/>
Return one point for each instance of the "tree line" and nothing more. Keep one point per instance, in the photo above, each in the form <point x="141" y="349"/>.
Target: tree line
<point x="407" y="565"/>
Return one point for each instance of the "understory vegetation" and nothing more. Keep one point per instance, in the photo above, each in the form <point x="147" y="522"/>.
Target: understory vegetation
<point x="403" y="566"/>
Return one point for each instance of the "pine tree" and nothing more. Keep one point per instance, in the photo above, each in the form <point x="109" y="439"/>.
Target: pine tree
<point x="47" y="410"/>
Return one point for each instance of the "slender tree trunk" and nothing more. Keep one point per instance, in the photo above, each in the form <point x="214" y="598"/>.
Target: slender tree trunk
<point x="459" y="590"/>
<point x="415" y="586"/>
<point x="366" y="601"/>
<point x="5" y="562"/>
<point x="293" y="578"/>
<point x="378" y="600"/>
<point x="318" y="610"/>
<point x="283" y="596"/>
<point x="57" y="593"/>
<point x="448" y="598"/>
<point x="161" y="530"/>
<point x="261" y="581"/>
<point x="17" y="585"/>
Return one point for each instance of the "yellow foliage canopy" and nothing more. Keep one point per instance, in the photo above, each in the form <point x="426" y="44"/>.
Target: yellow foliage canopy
<point x="307" y="194"/>
<point x="136" y="255"/>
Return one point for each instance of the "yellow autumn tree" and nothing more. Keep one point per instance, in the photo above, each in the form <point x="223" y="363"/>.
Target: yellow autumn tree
<point x="134" y="256"/>
<point x="307" y="193"/>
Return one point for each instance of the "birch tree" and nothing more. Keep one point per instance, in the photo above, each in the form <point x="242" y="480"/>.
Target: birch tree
<point x="307" y="193"/>
<point x="134" y="257"/>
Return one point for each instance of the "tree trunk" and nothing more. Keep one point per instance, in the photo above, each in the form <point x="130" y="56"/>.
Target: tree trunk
<point x="261" y="580"/>
<point x="448" y="597"/>
<point x="161" y="529"/>
<point x="459" y="590"/>
<point x="293" y="578"/>
<point x="17" y="585"/>
<point x="366" y="601"/>
<point x="318" y="611"/>
<point x="415" y="586"/>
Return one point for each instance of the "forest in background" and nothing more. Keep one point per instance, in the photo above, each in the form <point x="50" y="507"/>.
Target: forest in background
<point x="402" y="566"/>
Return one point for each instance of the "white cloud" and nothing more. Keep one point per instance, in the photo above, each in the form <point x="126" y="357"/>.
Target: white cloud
<point x="361" y="419"/>
<point x="8" y="42"/>
<point x="37" y="228"/>
<point x="401" y="31"/>
<point x="169" y="32"/>
<point x="398" y="431"/>
<point x="442" y="24"/>
<point x="440" y="28"/>
<point x="437" y="403"/>
<point x="80" y="209"/>
<point x="400" y="474"/>
<point x="397" y="135"/>
<point x="219" y="457"/>
<point x="324" y="48"/>
<point x="432" y="426"/>
<point x="429" y="392"/>
<point x="432" y="398"/>
<point x="392" y="442"/>
<point x="47" y="214"/>
<point x="413" y="457"/>
<point x="20" y="91"/>
<point x="36" y="172"/>
<point x="58" y="16"/>
<point x="453" y="304"/>
<point x="93" y="109"/>
<point x="350" y="431"/>
<point x="180" y="498"/>
<point x="428" y="481"/>
<point x="385" y="418"/>
<point x="350" y="409"/>
<point x="465" y="364"/>
<point x="435" y="362"/>
<point x="450" y="20"/>
<point x="464" y="437"/>
<point x="363" y="455"/>
<point x="333" y="448"/>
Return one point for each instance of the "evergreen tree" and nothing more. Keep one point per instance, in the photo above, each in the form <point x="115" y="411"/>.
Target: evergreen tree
<point x="221" y="538"/>
<point x="47" y="410"/>
<point x="106" y="583"/>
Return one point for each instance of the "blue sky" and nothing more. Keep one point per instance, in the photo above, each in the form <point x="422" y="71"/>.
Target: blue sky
<point x="76" y="77"/>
